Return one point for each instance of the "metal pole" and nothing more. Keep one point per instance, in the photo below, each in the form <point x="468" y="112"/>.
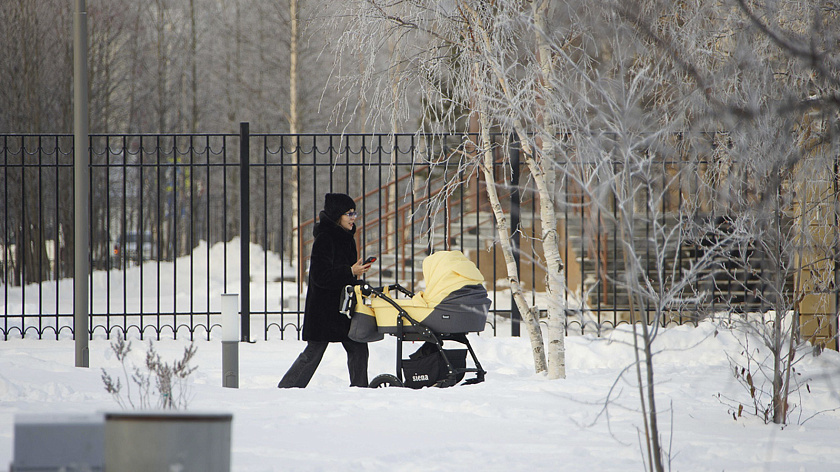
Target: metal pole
<point x="245" y="228"/>
<point x="515" y="316"/>
<point x="834" y="320"/>
<point x="81" y="194"/>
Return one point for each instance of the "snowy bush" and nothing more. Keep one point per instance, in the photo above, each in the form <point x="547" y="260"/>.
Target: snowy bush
<point x="159" y="385"/>
<point x="770" y="380"/>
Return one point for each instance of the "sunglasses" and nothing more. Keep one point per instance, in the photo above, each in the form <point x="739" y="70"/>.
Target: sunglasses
<point x="352" y="214"/>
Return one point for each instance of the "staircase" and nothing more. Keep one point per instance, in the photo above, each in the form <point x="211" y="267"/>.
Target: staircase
<point x="731" y="282"/>
<point x="466" y="223"/>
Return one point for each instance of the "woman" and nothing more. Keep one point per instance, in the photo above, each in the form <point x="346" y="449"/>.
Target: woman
<point x="334" y="264"/>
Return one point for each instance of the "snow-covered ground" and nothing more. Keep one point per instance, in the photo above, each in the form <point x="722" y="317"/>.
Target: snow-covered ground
<point x="515" y="420"/>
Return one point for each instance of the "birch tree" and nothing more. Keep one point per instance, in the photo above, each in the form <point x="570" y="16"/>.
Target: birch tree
<point x="529" y="313"/>
<point x="528" y="117"/>
<point x="473" y="54"/>
<point x="622" y="103"/>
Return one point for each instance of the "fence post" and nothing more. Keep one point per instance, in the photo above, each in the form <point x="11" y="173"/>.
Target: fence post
<point x="515" y="316"/>
<point x="245" y="229"/>
<point x="834" y="321"/>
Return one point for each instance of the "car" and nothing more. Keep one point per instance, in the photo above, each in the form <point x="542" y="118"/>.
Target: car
<point x="129" y="247"/>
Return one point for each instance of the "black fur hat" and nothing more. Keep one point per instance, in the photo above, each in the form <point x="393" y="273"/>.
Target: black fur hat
<point x="337" y="204"/>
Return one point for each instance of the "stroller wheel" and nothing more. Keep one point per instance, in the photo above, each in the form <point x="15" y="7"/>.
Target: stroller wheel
<point x="384" y="381"/>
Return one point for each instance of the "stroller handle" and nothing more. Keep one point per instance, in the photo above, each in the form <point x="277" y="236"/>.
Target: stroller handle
<point x="368" y="289"/>
<point x="401" y="289"/>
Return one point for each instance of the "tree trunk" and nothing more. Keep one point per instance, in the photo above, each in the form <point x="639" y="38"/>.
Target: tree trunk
<point x="545" y="182"/>
<point x="162" y="70"/>
<point x="545" y="186"/>
<point x="656" y="447"/>
<point x="647" y="397"/>
<point x="778" y="343"/>
<point x="294" y="128"/>
<point x="532" y="324"/>
<point x="194" y="65"/>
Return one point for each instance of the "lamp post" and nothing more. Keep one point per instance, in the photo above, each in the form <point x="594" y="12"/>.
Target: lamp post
<point x="81" y="186"/>
<point x="230" y="340"/>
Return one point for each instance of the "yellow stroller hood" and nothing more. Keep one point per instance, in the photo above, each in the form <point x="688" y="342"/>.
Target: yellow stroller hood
<point x="455" y="301"/>
<point x="445" y="272"/>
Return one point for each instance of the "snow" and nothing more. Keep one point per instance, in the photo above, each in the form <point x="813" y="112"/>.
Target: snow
<point x="515" y="420"/>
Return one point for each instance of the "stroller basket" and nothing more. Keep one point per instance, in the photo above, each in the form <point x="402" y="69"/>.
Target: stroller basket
<point x="427" y="366"/>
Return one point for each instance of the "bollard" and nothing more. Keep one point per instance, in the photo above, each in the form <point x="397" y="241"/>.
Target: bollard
<point x="59" y="441"/>
<point x="230" y="340"/>
<point x="127" y="441"/>
<point x="167" y="440"/>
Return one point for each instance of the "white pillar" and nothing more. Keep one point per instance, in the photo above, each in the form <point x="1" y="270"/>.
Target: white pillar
<point x="230" y="340"/>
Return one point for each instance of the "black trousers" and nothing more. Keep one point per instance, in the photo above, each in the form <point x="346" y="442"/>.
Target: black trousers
<point x="302" y="370"/>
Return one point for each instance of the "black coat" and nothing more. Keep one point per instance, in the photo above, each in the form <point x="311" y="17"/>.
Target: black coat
<point x="333" y="253"/>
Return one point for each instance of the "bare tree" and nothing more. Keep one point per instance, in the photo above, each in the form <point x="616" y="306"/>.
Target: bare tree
<point x="783" y="197"/>
<point x="772" y="89"/>
<point x="528" y="117"/>
<point x="171" y="66"/>
<point x="33" y="65"/>
<point x="622" y="147"/>
<point x="472" y="55"/>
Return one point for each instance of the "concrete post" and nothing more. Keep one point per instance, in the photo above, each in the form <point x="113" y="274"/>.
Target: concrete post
<point x="230" y="340"/>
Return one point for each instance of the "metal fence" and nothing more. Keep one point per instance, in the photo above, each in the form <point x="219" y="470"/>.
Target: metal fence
<point x="168" y="211"/>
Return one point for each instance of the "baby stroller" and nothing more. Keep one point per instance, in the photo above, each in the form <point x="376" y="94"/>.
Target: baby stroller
<point x="454" y="303"/>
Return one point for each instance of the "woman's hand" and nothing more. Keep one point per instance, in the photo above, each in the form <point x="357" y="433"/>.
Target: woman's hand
<point x="359" y="268"/>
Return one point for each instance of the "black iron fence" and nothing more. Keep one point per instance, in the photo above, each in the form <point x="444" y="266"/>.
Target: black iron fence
<point x="168" y="213"/>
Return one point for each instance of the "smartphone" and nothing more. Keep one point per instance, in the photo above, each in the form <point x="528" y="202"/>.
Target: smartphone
<point x="370" y="260"/>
